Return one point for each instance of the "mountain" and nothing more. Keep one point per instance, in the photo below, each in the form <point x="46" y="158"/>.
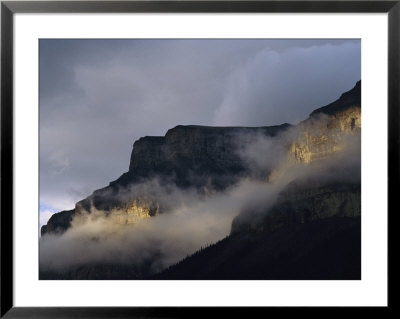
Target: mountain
<point x="311" y="230"/>
<point x="188" y="156"/>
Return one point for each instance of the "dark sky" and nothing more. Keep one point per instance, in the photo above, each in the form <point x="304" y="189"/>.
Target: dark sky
<point x="98" y="96"/>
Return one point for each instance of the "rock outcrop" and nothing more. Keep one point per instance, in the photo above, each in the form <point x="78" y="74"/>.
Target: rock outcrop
<point x="203" y="150"/>
<point x="322" y="135"/>
<point x="58" y="223"/>
<point x="325" y="131"/>
<point x="301" y="203"/>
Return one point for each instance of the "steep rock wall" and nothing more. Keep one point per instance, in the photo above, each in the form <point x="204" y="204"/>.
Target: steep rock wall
<point x="322" y="135"/>
<point x="301" y="203"/>
<point x="195" y="156"/>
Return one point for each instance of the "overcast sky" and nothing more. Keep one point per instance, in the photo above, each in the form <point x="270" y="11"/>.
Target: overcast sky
<point x="98" y="96"/>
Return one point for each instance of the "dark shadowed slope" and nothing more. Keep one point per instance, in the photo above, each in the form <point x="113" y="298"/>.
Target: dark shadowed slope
<point x="313" y="231"/>
<point x="325" y="250"/>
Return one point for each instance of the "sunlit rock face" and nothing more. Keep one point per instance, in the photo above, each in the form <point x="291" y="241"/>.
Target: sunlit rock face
<point x="134" y="211"/>
<point x="128" y="211"/>
<point x="322" y="135"/>
<point x="325" y="131"/>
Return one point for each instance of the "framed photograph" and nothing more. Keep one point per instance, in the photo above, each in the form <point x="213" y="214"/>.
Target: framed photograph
<point x="160" y="158"/>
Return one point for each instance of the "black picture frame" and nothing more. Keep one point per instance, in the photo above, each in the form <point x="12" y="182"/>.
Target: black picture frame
<point x="9" y="8"/>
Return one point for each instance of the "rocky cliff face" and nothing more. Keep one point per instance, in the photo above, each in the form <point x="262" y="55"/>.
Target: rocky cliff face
<point x="133" y="211"/>
<point x="58" y="223"/>
<point x="322" y="135"/>
<point x="325" y="133"/>
<point x="201" y="149"/>
<point x="199" y="156"/>
<point x="301" y="203"/>
<point x="187" y="156"/>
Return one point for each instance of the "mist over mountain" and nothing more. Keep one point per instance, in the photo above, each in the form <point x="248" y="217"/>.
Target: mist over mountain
<point x="280" y="202"/>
